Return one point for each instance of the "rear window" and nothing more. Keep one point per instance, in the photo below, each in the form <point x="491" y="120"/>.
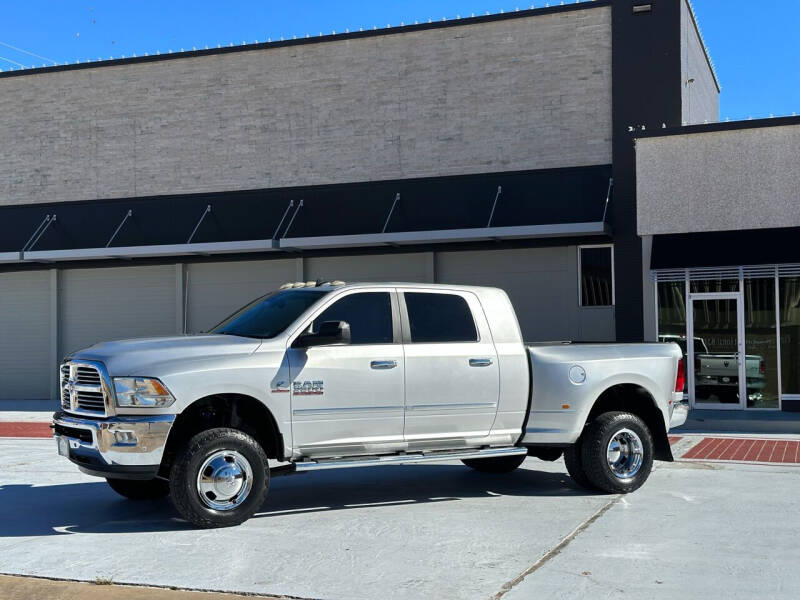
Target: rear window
<point x="439" y="318"/>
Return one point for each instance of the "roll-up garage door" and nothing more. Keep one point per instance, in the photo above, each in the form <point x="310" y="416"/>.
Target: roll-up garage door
<point x="215" y="290"/>
<point x="542" y="284"/>
<point x="115" y="303"/>
<point x="376" y="267"/>
<point x="25" y="368"/>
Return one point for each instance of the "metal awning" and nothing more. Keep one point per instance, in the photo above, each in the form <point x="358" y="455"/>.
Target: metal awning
<point x="496" y="206"/>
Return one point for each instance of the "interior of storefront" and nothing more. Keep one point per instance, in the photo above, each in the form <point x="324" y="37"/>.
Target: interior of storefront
<point x="745" y="327"/>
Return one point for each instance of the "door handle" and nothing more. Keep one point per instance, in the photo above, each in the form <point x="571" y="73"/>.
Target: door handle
<point x="480" y="362"/>
<point x="383" y="364"/>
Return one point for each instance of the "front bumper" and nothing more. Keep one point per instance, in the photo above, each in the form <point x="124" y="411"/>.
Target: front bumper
<point x="124" y="447"/>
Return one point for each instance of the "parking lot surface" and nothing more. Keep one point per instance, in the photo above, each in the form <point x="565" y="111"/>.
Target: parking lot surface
<point x="434" y="531"/>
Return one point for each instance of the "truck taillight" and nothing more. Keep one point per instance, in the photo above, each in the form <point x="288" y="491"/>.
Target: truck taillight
<point x="680" y="379"/>
<point x="762" y="367"/>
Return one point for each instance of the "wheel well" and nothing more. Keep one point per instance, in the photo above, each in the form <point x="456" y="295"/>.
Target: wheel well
<point x="637" y="400"/>
<point x="237" y="411"/>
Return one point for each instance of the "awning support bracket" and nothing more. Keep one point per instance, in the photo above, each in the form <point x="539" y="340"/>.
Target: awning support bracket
<point x="289" y="226"/>
<point x="116" y="231"/>
<point x="283" y="218"/>
<point x="37" y="234"/>
<point x="608" y="199"/>
<point x="494" y="205"/>
<point x="196" y="227"/>
<point x="391" y="210"/>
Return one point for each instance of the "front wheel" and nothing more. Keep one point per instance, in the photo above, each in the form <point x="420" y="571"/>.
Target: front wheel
<point x="617" y="452"/>
<point x="497" y="464"/>
<point x="220" y="478"/>
<point x="134" y="489"/>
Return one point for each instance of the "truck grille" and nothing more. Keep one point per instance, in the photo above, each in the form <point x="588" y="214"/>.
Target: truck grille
<point x="82" y="388"/>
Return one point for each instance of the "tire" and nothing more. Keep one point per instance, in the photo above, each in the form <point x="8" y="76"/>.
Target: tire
<point x="133" y="489"/>
<point x="236" y="478"/>
<point x="498" y="464"/>
<point x="621" y="467"/>
<point x="574" y="463"/>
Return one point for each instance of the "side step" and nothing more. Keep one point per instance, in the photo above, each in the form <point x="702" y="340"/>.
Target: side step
<point x="406" y="459"/>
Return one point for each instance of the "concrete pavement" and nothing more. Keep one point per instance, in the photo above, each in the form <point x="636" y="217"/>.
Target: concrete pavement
<point x="694" y="529"/>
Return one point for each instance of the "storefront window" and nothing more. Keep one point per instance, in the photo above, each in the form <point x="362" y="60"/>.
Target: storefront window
<point x="789" y="290"/>
<point x="761" y="343"/>
<point x="672" y="313"/>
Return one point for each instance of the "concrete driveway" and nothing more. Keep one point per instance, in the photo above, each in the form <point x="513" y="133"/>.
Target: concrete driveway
<point x="433" y="531"/>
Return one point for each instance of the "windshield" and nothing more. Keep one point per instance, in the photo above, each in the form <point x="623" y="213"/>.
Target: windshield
<point x="269" y="315"/>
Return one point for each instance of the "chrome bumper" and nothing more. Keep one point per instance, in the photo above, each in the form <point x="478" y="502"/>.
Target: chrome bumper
<point x="680" y="412"/>
<point x="125" y="447"/>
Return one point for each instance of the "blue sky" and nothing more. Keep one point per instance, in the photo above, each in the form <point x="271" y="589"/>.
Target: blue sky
<point x="755" y="44"/>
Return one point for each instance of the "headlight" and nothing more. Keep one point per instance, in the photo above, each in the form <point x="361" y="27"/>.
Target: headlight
<point x="141" y="392"/>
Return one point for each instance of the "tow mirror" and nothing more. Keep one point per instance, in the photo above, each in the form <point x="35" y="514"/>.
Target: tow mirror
<point x="330" y="332"/>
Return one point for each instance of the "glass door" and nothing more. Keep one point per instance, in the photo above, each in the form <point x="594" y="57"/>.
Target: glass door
<point x="716" y="371"/>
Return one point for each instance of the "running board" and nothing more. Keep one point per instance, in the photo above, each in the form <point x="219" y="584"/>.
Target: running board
<point x="407" y="459"/>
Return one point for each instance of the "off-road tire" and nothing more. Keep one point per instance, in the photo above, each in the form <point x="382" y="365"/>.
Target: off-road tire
<point x="138" y="489"/>
<point x="185" y="469"/>
<point x="574" y="463"/>
<point x="498" y="464"/>
<point x="594" y="447"/>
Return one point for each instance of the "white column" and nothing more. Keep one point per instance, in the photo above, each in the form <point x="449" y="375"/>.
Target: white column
<point x="181" y="298"/>
<point x="55" y="358"/>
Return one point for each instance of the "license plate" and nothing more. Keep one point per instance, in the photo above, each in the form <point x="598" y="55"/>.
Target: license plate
<point x="63" y="445"/>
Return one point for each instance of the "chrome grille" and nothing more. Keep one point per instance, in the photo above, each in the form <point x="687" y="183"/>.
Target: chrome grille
<point x="83" y="389"/>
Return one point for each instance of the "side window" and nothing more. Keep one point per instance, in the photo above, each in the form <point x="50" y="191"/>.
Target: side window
<point x="368" y="313"/>
<point x="597" y="275"/>
<point x="439" y="318"/>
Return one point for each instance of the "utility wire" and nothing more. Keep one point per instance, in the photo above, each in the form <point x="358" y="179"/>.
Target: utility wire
<point x="26" y="52"/>
<point x="13" y="62"/>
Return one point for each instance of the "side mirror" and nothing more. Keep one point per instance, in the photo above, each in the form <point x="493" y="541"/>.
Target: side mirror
<point x="330" y="332"/>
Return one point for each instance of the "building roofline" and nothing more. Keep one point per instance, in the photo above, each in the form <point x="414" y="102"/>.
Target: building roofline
<point x="706" y="53"/>
<point x="517" y="14"/>
<point x="721" y="126"/>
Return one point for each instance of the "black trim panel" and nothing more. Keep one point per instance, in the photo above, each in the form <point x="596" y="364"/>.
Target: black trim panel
<point x="726" y="248"/>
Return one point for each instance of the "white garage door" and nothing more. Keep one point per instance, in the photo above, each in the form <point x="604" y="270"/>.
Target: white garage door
<point x="215" y="290"/>
<point x="542" y="284"/>
<point x="25" y="369"/>
<point x="115" y="303"/>
<point x="381" y="267"/>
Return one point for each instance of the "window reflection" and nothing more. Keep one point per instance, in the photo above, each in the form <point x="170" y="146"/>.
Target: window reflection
<point x="789" y="290"/>
<point x="761" y="343"/>
<point x="672" y="314"/>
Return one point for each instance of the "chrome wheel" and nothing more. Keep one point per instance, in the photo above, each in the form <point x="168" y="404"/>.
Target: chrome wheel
<point x="625" y="454"/>
<point x="224" y="480"/>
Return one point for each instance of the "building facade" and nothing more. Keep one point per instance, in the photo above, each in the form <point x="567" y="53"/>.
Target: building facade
<point x="721" y="227"/>
<point x="155" y="195"/>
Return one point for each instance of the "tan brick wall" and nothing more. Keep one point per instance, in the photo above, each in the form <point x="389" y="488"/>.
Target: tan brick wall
<point x="525" y="93"/>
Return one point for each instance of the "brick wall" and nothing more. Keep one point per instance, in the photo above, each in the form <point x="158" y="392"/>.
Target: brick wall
<point x="523" y="93"/>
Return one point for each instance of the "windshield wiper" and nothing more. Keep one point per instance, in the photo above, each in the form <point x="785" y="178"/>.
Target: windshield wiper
<point x="255" y="337"/>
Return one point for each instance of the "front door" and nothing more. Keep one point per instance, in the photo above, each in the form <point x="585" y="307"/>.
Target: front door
<point x="716" y="358"/>
<point x="349" y="398"/>
<point x="452" y="376"/>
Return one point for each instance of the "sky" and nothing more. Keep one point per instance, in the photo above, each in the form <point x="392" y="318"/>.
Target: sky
<point x="755" y="44"/>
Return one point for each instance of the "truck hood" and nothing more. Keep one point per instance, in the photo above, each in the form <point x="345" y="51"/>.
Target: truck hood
<point x="158" y="355"/>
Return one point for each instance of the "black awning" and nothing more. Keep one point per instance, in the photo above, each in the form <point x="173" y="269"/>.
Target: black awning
<point x="529" y="198"/>
<point x="726" y="248"/>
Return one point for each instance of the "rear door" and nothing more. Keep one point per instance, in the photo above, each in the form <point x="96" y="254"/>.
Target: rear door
<point x="452" y="376"/>
<point x="349" y="398"/>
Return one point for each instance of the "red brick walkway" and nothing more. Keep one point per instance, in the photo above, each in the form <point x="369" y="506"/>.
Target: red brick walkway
<point x="25" y="430"/>
<point x="746" y="450"/>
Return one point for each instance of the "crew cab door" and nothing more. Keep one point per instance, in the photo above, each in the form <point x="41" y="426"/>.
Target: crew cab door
<point x="349" y="398"/>
<point x="452" y="376"/>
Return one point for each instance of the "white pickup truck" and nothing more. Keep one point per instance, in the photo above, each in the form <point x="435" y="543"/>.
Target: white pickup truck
<point x="328" y="375"/>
